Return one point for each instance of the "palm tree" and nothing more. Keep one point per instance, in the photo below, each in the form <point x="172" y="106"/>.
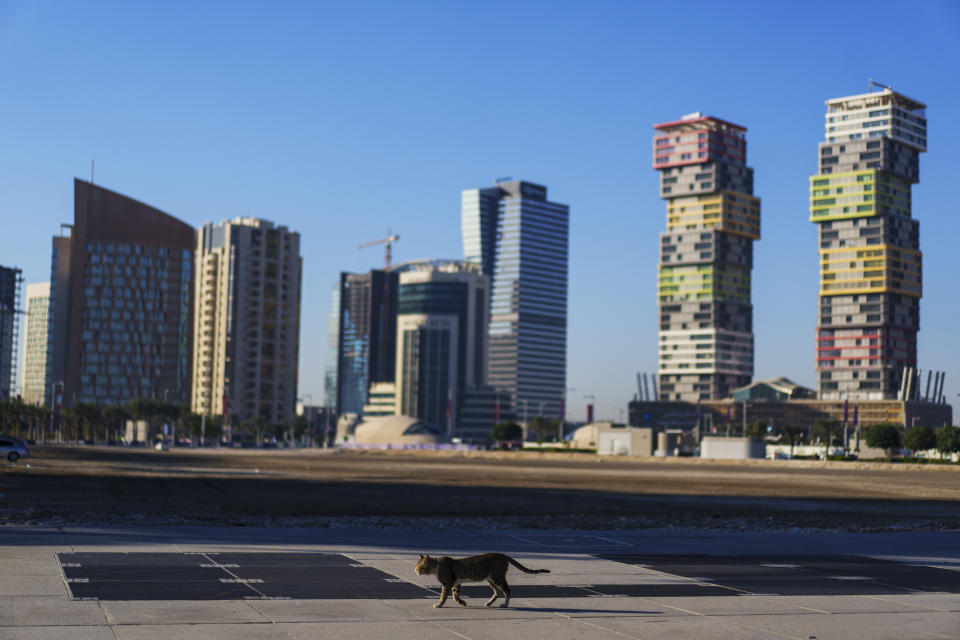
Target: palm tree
<point x="792" y="435"/>
<point x="115" y="416"/>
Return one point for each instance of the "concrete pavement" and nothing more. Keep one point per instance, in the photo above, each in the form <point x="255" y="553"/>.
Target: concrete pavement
<point x="861" y="585"/>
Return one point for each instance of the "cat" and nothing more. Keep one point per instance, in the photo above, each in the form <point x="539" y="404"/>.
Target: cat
<point x="451" y="572"/>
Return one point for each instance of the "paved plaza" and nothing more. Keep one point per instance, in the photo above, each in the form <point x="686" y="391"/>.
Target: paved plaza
<point x="239" y="582"/>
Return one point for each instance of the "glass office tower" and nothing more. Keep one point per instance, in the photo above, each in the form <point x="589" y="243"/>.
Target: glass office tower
<point x="366" y="337"/>
<point x="521" y="240"/>
<point x="11" y="282"/>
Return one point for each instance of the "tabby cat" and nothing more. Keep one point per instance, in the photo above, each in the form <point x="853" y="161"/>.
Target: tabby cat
<point x="491" y="567"/>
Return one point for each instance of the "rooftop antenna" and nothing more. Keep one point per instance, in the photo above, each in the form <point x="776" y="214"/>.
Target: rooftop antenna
<point x="91" y="172"/>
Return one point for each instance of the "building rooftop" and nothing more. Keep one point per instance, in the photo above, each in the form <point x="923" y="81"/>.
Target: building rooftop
<point x="874" y="98"/>
<point x="691" y="121"/>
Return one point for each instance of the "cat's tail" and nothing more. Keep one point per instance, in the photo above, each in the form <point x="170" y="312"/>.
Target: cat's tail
<point x="524" y="569"/>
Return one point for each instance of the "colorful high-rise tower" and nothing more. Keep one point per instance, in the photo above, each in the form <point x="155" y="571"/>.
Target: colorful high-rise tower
<point x="870" y="261"/>
<point x="706" y="256"/>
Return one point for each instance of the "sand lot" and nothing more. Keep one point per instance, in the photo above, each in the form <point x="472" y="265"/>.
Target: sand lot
<point x="101" y="485"/>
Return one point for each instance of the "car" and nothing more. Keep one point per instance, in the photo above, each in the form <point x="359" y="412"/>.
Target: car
<point x="13" y="448"/>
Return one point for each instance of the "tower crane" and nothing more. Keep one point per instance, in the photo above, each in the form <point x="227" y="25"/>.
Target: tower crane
<point x="390" y="239"/>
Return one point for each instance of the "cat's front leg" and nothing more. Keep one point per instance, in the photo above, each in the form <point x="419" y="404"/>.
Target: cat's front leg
<point x="496" y="592"/>
<point x="444" y="592"/>
<point x="456" y="596"/>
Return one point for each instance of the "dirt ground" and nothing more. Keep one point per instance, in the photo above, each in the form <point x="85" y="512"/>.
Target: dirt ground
<point x="105" y="485"/>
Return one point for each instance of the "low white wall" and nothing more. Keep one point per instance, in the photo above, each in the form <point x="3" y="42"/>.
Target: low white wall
<point x="732" y="448"/>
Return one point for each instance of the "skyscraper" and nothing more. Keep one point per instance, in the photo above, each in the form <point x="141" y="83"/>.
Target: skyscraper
<point x="247" y="320"/>
<point x="870" y="260"/>
<point x="121" y="294"/>
<point x="333" y="351"/>
<point x="36" y="383"/>
<point x="10" y="282"/>
<point x="441" y="340"/>
<point x="706" y="256"/>
<point x="367" y="336"/>
<point x="521" y="240"/>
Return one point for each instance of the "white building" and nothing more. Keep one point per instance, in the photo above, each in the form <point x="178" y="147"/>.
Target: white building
<point x="246" y="320"/>
<point x="35" y="381"/>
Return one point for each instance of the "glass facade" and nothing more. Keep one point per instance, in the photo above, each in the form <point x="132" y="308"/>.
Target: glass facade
<point x="121" y="302"/>
<point x="333" y="349"/>
<point x="425" y="390"/>
<point x="10" y="281"/>
<point x="134" y="323"/>
<point x="521" y="240"/>
<point x="367" y="336"/>
<point x="441" y="328"/>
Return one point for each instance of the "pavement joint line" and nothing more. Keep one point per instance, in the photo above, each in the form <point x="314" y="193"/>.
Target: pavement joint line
<point x="586" y="622"/>
<point x="107" y="619"/>
<point x="249" y="603"/>
<point x="423" y="619"/>
<point x="239" y="580"/>
<point x="720" y="618"/>
<point x="908" y="604"/>
<point x="799" y="606"/>
<point x="699" y="581"/>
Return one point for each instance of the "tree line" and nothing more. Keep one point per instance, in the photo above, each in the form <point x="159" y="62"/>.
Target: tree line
<point x="107" y="423"/>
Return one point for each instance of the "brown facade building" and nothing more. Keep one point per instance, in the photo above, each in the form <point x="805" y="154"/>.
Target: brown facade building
<point x="121" y="302"/>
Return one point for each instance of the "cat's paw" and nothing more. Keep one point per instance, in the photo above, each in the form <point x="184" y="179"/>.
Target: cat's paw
<point x="437" y="606"/>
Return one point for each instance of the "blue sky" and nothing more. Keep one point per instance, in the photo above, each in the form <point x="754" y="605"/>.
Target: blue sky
<point x="343" y="119"/>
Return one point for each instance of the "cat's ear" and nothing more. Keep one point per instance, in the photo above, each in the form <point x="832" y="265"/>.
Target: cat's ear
<point x="421" y="556"/>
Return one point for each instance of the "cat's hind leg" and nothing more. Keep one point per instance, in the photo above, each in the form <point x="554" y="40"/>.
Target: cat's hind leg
<point x="496" y="591"/>
<point x="444" y="592"/>
<point x="456" y="596"/>
<point x="506" y="594"/>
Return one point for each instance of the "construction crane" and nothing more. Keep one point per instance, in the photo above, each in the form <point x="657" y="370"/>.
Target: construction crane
<point x="390" y="239"/>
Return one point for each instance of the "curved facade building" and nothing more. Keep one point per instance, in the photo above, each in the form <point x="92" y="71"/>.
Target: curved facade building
<point x="121" y="302"/>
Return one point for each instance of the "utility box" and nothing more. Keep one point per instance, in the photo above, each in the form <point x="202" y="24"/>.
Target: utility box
<point x="625" y="442"/>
